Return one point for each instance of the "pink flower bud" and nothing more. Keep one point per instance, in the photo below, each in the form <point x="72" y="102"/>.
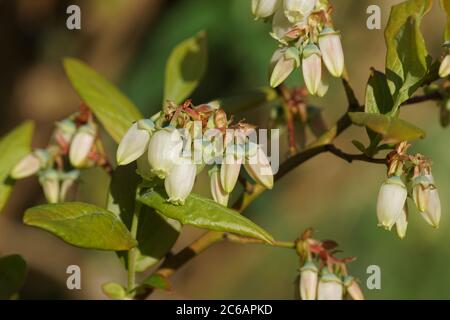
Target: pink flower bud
<point x="284" y="61"/>
<point x="49" y="181"/>
<point x="259" y="169"/>
<point x="180" y="181"/>
<point x="332" y="53"/>
<point x="391" y="200"/>
<point x="444" y="69"/>
<point x="26" y="167"/>
<point x="353" y="288"/>
<point x="330" y="287"/>
<point x="217" y="191"/>
<point x="164" y="151"/>
<point x="264" y="8"/>
<point x="133" y="145"/>
<point x="81" y="146"/>
<point x="312" y="68"/>
<point x="308" y="281"/>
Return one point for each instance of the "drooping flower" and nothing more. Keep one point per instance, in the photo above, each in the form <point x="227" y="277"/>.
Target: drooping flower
<point x="81" y="146"/>
<point x="259" y="169"/>
<point x="308" y="281"/>
<point x="402" y="222"/>
<point x="164" y="151"/>
<point x="49" y="181"/>
<point x="332" y="52"/>
<point x="229" y="172"/>
<point x="180" y="181"/>
<point x="312" y="68"/>
<point x="353" y="288"/>
<point x="330" y="287"/>
<point x="444" y="69"/>
<point x="284" y="61"/>
<point x="26" y="167"/>
<point x="133" y="145"/>
<point x="426" y="198"/>
<point x="391" y="200"/>
<point x="217" y="190"/>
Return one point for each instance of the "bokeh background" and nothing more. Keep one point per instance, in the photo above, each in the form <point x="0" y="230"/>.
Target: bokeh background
<point x="129" y="42"/>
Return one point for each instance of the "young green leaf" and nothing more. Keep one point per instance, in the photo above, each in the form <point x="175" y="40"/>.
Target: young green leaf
<point x="378" y="95"/>
<point x="156" y="235"/>
<point x="185" y="68"/>
<point x="114" y="291"/>
<point x="407" y="61"/>
<point x="13" y="147"/>
<point x="157" y="282"/>
<point x="13" y="271"/>
<point x="205" y="213"/>
<point x="82" y="225"/>
<point x="392" y="129"/>
<point x="114" y="110"/>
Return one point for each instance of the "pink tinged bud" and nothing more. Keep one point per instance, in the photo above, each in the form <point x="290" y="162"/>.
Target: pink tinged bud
<point x="264" y="8"/>
<point x="391" y="200"/>
<point x="164" y="151"/>
<point x="402" y="223"/>
<point x="229" y="172"/>
<point x="81" y="146"/>
<point x="312" y="68"/>
<point x="49" y="181"/>
<point x="297" y="10"/>
<point x="353" y="288"/>
<point x="308" y="281"/>
<point x="284" y="61"/>
<point x="259" y="169"/>
<point x="180" y="181"/>
<point x="26" y="167"/>
<point x="133" y="145"/>
<point x="219" y="194"/>
<point x="330" y="287"/>
<point x="444" y="69"/>
<point x="332" y="53"/>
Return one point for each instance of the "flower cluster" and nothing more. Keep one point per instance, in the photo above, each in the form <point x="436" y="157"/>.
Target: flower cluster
<point x="175" y="144"/>
<point x="329" y="281"/>
<point x="74" y="145"/>
<point x="408" y="176"/>
<point x="306" y="36"/>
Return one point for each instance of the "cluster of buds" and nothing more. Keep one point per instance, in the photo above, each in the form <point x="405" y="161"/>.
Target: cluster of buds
<point x="175" y="144"/>
<point x="444" y="69"/>
<point x="307" y="38"/>
<point x="408" y="176"/>
<point x="322" y="275"/>
<point x="74" y="146"/>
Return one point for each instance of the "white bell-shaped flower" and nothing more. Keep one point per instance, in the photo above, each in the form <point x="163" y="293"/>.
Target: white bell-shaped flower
<point x="390" y="203"/>
<point x="180" y="181"/>
<point x="312" y="68"/>
<point x="353" y="288"/>
<point x="133" y="145"/>
<point x="330" y="287"/>
<point x="218" y="193"/>
<point x="26" y="167"/>
<point x="444" y="69"/>
<point x="81" y="146"/>
<point x="49" y="181"/>
<point x="164" y="151"/>
<point x="259" y="168"/>
<point x="402" y="222"/>
<point x="332" y="52"/>
<point x="308" y="281"/>
<point x="264" y="8"/>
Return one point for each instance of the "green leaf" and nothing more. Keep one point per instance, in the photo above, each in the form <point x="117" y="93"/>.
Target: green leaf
<point x="156" y="234"/>
<point x="378" y="95"/>
<point x="445" y="4"/>
<point x="205" y="213"/>
<point x="407" y="60"/>
<point x="185" y="68"/>
<point x="114" y="110"/>
<point x="114" y="291"/>
<point x="82" y="225"/>
<point x="157" y="282"/>
<point x="13" y="271"/>
<point x="13" y="147"/>
<point x="391" y="129"/>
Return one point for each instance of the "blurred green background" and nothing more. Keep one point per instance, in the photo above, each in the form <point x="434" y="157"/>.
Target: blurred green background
<point x="128" y="42"/>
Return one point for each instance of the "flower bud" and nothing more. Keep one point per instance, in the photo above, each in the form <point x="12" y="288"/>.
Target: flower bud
<point x="264" y="8"/>
<point x="308" y="281"/>
<point x="229" y="172"/>
<point x="402" y="222"/>
<point x="284" y="61"/>
<point x="133" y="145"/>
<point x="26" y="167"/>
<point x="68" y="180"/>
<point x="296" y="10"/>
<point x="426" y="198"/>
<point x="180" y="181"/>
<point x="164" y="150"/>
<point x="444" y="69"/>
<point x="353" y="288"/>
<point x="219" y="194"/>
<point x="49" y="181"/>
<point x="312" y="68"/>
<point x="81" y="146"/>
<point x="259" y="169"/>
<point x="330" y="287"/>
<point x="332" y="53"/>
<point x="390" y="203"/>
